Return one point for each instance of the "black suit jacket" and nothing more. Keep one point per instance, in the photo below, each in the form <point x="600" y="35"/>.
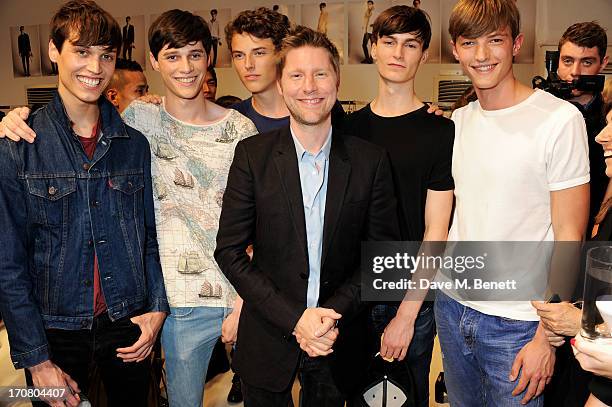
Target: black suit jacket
<point x="263" y="204"/>
<point x="128" y="34"/>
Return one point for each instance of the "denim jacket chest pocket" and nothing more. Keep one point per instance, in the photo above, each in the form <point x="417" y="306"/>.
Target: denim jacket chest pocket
<point x="51" y="199"/>
<point x="128" y="196"/>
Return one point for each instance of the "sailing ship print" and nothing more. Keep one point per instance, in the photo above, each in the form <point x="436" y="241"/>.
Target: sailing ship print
<point x="183" y="179"/>
<point x="228" y="134"/>
<point x="190" y="263"/>
<point x="159" y="188"/>
<point x="164" y="150"/>
<point x="207" y="290"/>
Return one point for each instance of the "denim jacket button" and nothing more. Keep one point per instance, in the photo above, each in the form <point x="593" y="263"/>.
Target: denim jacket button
<point x="52" y="190"/>
<point x="84" y="323"/>
<point x="86" y="166"/>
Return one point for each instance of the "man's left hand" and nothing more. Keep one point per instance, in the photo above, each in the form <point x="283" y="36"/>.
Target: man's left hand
<point x="536" y="363"/>
<point x="150" y="324"/>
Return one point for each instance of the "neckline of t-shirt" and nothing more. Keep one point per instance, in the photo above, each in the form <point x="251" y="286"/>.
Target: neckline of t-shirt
<point x="184" y="123"/>
<point x="402" y="116"/>
<point x="261" y="116"/>
<point x="510" y="109"/>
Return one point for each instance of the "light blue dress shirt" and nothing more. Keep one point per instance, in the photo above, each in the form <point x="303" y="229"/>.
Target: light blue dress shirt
<point x="314" y="170"/>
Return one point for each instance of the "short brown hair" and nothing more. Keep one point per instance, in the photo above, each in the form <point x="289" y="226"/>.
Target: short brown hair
<point x="302" y="36"/>
<point x="85" y="24"/>
<point x="178" y="28"/>
<point x="475" y="18"/>
<point x="587" y="35"/>
<point x="261" y="23"/>
<point x="401" y="20"/>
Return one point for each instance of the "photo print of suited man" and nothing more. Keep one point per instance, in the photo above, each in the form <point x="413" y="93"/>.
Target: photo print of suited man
<point x="433" y="10"/>
<point x="361" y="18"/>
<point x="127" y="35"/>
<point x="26" y="57"/>
<point x="133" y="41"/>
<point x="217" y="19"/>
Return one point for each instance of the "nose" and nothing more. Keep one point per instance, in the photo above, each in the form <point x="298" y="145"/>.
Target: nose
<point x="185" y="65"/>
<point x="575" y="70"/>
<point x="397" y="51"/>
<point x="310" y="84"/>
<point x="249" y="62"/>
<point x="482" y="52"/>
<point x="93" y="65"/>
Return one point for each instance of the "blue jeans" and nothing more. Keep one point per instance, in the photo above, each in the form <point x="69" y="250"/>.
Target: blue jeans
<point x="418" y="358"/>
<point x="478" y="352"/>
<point x="188" y="339"/>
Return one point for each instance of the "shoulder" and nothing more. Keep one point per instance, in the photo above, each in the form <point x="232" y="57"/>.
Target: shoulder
<point x="549" y="104"/>
<point x="243" y="126"/>
<point x="139" y="111"/>
<point x="360" y="148"/>
<point x="243" y="106"/>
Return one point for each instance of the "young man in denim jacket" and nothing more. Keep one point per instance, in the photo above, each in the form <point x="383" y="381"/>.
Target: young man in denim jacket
<point x="80" y="276"/>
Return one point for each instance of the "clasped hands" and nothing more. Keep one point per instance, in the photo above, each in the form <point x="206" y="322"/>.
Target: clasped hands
<point x="316" y="331"/>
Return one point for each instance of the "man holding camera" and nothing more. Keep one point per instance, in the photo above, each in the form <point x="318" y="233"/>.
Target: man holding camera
<point x="582" y="51"/>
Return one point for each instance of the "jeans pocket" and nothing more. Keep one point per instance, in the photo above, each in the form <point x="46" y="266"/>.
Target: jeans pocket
<point x="180" y="312"/>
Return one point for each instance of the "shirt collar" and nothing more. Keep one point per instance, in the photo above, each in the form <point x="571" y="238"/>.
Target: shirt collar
<point x="300" y="150"/>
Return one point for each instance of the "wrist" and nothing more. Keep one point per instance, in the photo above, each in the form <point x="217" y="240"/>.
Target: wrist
<point x="41" y="366"/>
<point x="408" y="311"/>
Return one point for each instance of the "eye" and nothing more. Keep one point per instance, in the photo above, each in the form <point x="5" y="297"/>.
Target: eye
<point x="260" y="53"/>
<point x="567" y="61"/>
<point x="321" y="75"/>
<point x="238" y="55"/>
<point x="388" y="43"/>
<point x="108" y="57"/>
<point x="82" y="52"/>
<point x="587" y="63"/>
<point x="171" y="57"/>
<point x="196" y="55"/>
<point x="411" y="44"/>
<point x="295" y="75"/>
<point x="467" y="43"/>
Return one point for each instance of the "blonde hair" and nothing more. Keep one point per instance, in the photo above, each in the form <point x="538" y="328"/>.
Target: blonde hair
<point x="475" y="18"/>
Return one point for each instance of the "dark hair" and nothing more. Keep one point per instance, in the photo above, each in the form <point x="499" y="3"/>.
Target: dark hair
<point x="475" y="18"/>
<point x="400" y="20"/>
<point x="176" y="29"/>
<point x="213" y="73"/>
<point x="85" y="24"/>
<point x="370" y="1"/>
<point x="228" y="100"/>
<point x="302" y="36"/>
<point x="588" y="35"/>
<point x="321" y="5"/>
<point x="127" y="65"/>
<point x="21" y="28"/>
<point x="261" y="23"/>
<point x="214" y="11"/>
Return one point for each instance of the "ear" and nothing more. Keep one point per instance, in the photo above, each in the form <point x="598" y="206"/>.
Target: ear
<point x="373" y="50"/>
<point x="113" y="96"/>
<point x="53" y="52"/>
<point x="604" y="63"/>
<point x="454" y="47"/>
<point x="209" y="60"/>
<point x="424" y="57"/>
<point x="279" y="87"/>
<point x="518" y="42"/>
<point x="154" y="62"/>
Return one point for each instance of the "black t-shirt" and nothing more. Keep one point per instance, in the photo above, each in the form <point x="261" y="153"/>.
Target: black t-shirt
<point x="420" y="147"/>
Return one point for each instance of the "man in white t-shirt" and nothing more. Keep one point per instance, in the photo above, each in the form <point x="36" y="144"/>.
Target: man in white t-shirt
<point x="521" y="171"/>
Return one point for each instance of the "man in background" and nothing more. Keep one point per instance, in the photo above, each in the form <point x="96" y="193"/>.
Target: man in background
<point x="128" y="83"/>
<point x="216" y="37"/>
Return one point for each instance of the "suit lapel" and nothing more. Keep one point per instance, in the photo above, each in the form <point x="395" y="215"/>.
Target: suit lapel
<point x="337" y="182"/>
<point x="285" y="159"/>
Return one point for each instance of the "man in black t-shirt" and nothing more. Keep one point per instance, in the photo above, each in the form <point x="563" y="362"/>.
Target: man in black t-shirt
<point x="420" y="147"/>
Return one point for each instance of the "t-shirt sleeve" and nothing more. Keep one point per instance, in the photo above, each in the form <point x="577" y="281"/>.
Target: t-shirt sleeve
<point x="567" y="154"/>
<point x="441" y="178"/>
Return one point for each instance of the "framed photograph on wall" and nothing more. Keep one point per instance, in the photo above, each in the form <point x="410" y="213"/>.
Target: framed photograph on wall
<point x="217" y="19"/>
<point x="25" y="47"/>
<point x="327" y="18"/>
<point x="133" y="39"/>
<point x="361" y="16"/>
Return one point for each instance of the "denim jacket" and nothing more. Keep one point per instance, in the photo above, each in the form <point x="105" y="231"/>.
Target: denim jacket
<point x="57" y="208"/>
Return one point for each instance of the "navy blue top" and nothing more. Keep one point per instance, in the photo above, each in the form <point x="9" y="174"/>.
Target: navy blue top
<point x="263" y="123"/>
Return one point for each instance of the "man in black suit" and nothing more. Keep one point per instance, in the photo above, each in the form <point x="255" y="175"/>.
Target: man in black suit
<point x="128" y="39"/>
<point x="305" y="196"/>
<point x="25" y="50"/>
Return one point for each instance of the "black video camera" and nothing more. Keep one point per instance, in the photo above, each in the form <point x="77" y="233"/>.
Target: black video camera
<point x="561" y="88"/>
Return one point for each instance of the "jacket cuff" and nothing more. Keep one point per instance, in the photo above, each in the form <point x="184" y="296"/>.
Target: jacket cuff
<point x="31" y="358"/>
<point x="158" y="305"/>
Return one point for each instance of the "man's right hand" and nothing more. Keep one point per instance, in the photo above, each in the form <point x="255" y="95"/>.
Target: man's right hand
<point x="316" y="332"/>
<point x="48" y="374"/>
<point x="14" y="127"/>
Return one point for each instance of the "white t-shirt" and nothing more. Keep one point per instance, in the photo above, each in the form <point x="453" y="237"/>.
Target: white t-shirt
<point x="189" y="166"/>
<point x="505" y="164"/>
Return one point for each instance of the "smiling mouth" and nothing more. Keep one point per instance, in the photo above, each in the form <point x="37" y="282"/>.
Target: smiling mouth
<point x="186" y="80"/>
<point x="484" y="68"/>
<point x="89" y="82"/>
<point x="607" y="154"/>
<point x="312" y="102"/>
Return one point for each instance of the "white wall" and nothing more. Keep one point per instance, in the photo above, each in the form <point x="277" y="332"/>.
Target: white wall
<point x="358" y="82"/>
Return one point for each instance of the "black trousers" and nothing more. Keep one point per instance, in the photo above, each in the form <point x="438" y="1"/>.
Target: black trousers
<point x="364" y="45"/>
<point x="318" y="388"/>
<point x="78" y="352"/>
